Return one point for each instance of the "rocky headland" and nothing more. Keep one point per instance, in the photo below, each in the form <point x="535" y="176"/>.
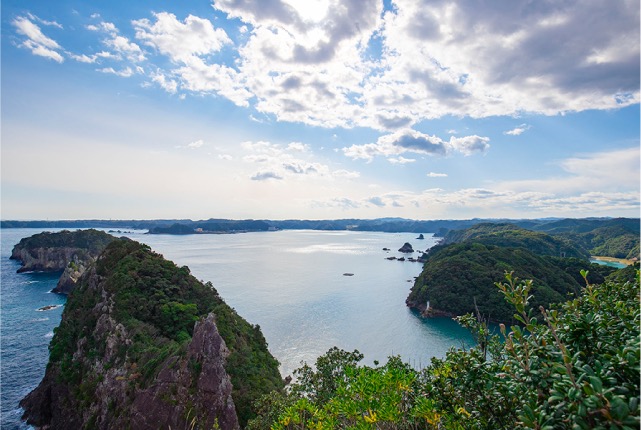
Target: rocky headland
<point x="142" y="344"/>
<point x="69" y="252"/>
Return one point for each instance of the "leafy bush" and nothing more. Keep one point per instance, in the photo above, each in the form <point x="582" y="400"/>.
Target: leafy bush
<point x="575" y="367"/>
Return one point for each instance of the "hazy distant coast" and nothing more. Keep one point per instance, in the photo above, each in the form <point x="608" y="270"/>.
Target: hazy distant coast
<point x="391" y="225"/>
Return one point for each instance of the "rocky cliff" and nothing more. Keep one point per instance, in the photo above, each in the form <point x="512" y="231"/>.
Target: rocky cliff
<point x="144" y="345"/>
<point x="65" y="251"/>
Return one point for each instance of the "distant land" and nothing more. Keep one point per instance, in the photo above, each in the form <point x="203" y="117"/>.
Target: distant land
<point x="391" y="225"/>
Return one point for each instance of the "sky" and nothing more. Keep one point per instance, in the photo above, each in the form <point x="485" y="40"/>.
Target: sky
<point x="319" y="109"/>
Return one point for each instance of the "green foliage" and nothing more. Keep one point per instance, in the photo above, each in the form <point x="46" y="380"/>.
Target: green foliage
<point x="457" y="275"/>
<point x="618" y="238"/>
<point x="577" y="366"/>
<point x="158" y="304"/>
<point x="510" y="235"/>
<point x="93" y="241"/>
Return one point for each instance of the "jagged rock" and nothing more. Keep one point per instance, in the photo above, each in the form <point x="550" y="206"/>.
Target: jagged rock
<point x="420" y="237"/>
<point x="115" y="363"/>
<point x="406" y="248"/>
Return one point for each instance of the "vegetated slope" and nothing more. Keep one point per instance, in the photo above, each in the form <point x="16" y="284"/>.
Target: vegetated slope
<point x="577" y="366"/>
<point x="34" y="252"/>
<point x="618" y="238"/>
<point x="457" y="276"/>
<point x="71" y="252"/>
<point x="144" y="344"/>
<point x="506" y="234"/>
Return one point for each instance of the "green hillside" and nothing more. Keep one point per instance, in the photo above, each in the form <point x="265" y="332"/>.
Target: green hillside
<point x="157" y="303"/>
<point x="510" y="235"/>
<point x="457" y="276"/>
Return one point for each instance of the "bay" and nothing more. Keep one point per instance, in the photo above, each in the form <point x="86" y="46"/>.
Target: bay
<point x="289" y="282"/>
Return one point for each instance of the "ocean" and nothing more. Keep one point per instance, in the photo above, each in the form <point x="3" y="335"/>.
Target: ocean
<point x="292" y="283"/>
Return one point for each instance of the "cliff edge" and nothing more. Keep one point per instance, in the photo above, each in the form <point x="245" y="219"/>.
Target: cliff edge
<point x="69" y="252"/>
<point x="142" y="344"/>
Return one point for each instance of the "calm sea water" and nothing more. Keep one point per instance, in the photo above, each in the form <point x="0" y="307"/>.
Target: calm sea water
<point x="291" y="283"/>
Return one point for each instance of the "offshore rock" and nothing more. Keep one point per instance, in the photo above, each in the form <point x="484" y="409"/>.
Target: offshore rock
<point x="406" y="248"/>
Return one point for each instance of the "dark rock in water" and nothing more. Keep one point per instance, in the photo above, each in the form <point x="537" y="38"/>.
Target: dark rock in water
<point x="400" y="259"/>
<point x="47" y="308"/>
<point x="420" y="237"/>
<point x="406" y="248"/>
<point x="348" y="274"/>
<point x="391" y="258"/>
<point x="386" y="249"/>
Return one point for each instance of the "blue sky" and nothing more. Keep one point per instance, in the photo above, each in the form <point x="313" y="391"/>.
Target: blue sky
<point x="319" y="109"/>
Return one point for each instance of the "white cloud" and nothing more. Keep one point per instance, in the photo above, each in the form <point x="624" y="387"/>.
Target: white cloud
<point x="407" y="140"/>
<point x="196" y="144"/>
<point x="469" y="145"/>
<point x="124" y="73"/>
<point x="44" y="22"/>
<point x="181" y="40"/>
<point x="298" y="147"/>
<point x="609" y="171"/>
<point x="37" y="42"/>
<point x="287" y="162"/>
<point x="517" y="131"/>
<point x="401" y="160"/>
<point x="168" y="84"/>
<point x="436" y="175"/>
<point x="351" y="64"/>
<point x="263" y="176"/>
<point x="82" y="58"/>
<point x="122" y="45"/>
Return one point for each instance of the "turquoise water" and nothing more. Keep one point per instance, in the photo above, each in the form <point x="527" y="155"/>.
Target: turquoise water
<point x="608" y="263"/>
<point x="291" y="283"/>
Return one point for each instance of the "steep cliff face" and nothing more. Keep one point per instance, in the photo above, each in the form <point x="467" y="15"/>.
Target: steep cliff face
<point x="65" y="251"/>
<point x="144" y="345"/>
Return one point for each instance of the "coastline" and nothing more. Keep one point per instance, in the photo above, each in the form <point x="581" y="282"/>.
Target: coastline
<point x="612" y="260"/>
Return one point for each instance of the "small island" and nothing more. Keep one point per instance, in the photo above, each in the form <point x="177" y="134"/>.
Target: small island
<point x="69" y="252"/>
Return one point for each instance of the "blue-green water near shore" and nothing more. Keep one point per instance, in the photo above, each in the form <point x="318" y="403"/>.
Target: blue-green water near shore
<point x="291" y="283"/>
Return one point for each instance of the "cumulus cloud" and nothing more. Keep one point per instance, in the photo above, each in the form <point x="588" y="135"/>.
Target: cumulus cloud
<point x="124" y="73"/>
<point x="36" y="41"/>
<point x="181" y="40"/>
<point x="517" y="131"/>
<point x="364" y="63"/>
<point x="82" y="58"/>
<point x="407" y="140"/>
<point x="286" y="162"/>
<point x="376" y="201"/>
<point x="469" y="145"/>
<point x="401" y="160"/>
<point x="264" y="176"/>
<point x="196" y="144"/>
<point x="485" y="202"/>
